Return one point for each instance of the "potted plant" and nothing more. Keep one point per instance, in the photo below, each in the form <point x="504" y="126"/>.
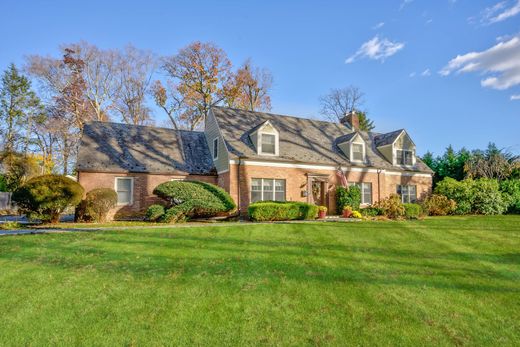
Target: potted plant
<point x="347" y="211"/>
<point x="322" y="212"/>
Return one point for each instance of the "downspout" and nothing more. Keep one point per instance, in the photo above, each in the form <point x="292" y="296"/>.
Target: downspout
<point x="238" y="187"/>
<point x="379" y="184"/>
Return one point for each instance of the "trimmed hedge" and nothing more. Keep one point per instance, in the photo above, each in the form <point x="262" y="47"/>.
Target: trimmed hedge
<point x="371" y="211"/>
<point x="188" y="199"/>
<point x="46" y="197"/>
<point x="348" y="196"/>
<point x="412" y="211"/>
<point x="277" y="211"/>
<point x="98" y="203"/>
<point x="154" y="212"/>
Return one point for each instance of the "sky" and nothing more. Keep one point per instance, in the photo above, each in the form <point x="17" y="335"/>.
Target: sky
<point x="448" y="71"/>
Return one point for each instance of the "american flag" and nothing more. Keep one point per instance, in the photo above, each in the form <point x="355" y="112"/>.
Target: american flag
<point x="342" y="178"/>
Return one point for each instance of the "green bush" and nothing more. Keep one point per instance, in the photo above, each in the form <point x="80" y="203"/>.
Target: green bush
<point x="99" y="202"/>
<point x="275" y="211"/>
<point x="392" y="207"/>
<point x="511" y="193"/>
<point x="487" y="198"/>
<point x="46" y="197"/>
<point x="459" y="191"/>
<point x="438" y="205"/>
<point x="188" y="199"/>
<point x="348" y="196"/>
<point x="226" y="199"/>
<point x="412" y="211"/>
<point x="371" y="211"/>
<point x="154" y="212"/>
<point x="3" y="184"/>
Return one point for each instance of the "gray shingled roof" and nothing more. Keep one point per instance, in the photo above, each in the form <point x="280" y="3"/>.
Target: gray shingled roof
<point x="301" y="140"/>
<point x="113" y="147"/>
<point x="388" y="138"/>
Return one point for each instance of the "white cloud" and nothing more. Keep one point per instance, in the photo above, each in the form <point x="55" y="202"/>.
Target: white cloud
<point x="412" y="74"/>
<point x="500" y="11"/>
<point x="515" y="97"/>
<point x="378" y="25"/>
<point x="501" y="64"/>
<point x="405" y="3"/>
<point x="429" y="21"/>
<point x="376" y="49"/>
<point x="426" y="73"/>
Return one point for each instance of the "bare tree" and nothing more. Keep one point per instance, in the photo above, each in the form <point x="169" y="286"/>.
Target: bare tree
<point x="135" y="70"/>
<point x="198" y="73"/>
<point x="341" y="101"/>
<point x="249" y="88"/>
<point x="171" y="101"/>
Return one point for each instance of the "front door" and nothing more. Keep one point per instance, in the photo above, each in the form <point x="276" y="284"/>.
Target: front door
<point x="318" y="193"/>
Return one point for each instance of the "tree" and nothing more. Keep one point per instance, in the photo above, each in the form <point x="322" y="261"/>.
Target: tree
<point x="248" y="88"/>
<point x="450" y="164"/>
<point x="19" y="106"/>
<point x="198" y="73"/>
<point x="341" y="101"/>
<point x="491" y="163"/>
<point x="134" y="70"/>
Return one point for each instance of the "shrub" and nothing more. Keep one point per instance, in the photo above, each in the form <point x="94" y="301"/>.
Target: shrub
<point x="191" y="198"/>
<point x="154" y="212"/>
<point x="3" y="183"/>
<point x="459" y="191"/>
<point x="392" y="206"/>
<point x="226" y="199"/>
<point x="356" y="214"/>
<point x="274" y="211"/>
<point x="487" y="198"/>
<point x="371" y="211"/>
<point x="412" y="211"/>
<point x="99" y="202"/>
<point x="348" y="196"/>
<point x="45" y="197"/>
<point x="511" y="193"/>
<point x="439" y="205"/>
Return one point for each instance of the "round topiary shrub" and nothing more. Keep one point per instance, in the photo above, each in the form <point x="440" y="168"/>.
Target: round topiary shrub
<point x="412" y="211"/>
<point x="99" y="202"/>
<point x="46" y="197"/>
<point x="154" y="212"/>
<point x="188" y="199"/>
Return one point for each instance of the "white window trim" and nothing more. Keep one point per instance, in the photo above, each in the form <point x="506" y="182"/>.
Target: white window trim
<point x="215" y="146"/>
<point x="352" y="152"/>
<point x="276" y="140"/>
<point x="131" y="189"/>
<point x="361" y="187"/>
<point x="408" y="189"/>
<point x="404" y="150"/>
<point x="262" y="188"/>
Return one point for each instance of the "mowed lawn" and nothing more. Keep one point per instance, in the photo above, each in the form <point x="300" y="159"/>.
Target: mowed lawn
<point x="441" y="281"/>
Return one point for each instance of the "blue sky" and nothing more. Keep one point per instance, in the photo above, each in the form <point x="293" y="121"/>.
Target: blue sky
<point x="402" y="53"/>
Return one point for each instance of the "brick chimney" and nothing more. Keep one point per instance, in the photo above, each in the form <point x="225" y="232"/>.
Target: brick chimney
<point x="351" y="120"/>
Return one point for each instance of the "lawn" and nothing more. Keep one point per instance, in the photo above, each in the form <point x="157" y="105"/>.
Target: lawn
<point x="441" y="281"/>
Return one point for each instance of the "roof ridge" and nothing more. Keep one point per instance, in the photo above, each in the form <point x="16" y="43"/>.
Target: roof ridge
<point x="142" y="126"/>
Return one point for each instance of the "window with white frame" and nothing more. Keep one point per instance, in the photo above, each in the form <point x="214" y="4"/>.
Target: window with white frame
<point x="408" y="193"/>
<point x="215" y="148"/>
<point x="124" y="187"/>
<point x="263" y="189"/>
<point x="268" y="145"/>
<point x="404" y="157"/>
<point x="358" y="152"/>
<point x="366" y="191"/>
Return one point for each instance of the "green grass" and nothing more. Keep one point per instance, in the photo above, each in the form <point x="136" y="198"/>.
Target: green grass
<point x="441" y="281"/>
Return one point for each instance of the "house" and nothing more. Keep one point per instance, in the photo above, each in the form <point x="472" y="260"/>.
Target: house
<point x="254" y="156"/>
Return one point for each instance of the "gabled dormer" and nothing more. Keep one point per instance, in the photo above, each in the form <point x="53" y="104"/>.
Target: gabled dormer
<point x="354" y="147"/>
<point x="397" y="147"/>
<point x="266" y="139"/>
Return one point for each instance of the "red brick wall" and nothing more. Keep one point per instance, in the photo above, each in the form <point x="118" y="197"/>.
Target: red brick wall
<point x="144" y="184"/>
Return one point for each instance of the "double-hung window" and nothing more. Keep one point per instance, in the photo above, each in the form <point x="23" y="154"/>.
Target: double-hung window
<point x="268" y="143"/>
<point x="263" y="189"/>
<point x="125" y="190"/>
<point x="366" y="192"/>
<point x="357" y="152"/>
<point x="408" y="193"/>
<point x="404" y="157"/>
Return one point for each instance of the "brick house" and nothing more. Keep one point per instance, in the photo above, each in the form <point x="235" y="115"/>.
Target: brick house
<point x="254" y="156"/>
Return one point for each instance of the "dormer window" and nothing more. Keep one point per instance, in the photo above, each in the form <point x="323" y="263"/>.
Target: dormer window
<point x="268" y="145"/>
<point x="404" y="157"/>
<point x="358" y="152"/>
